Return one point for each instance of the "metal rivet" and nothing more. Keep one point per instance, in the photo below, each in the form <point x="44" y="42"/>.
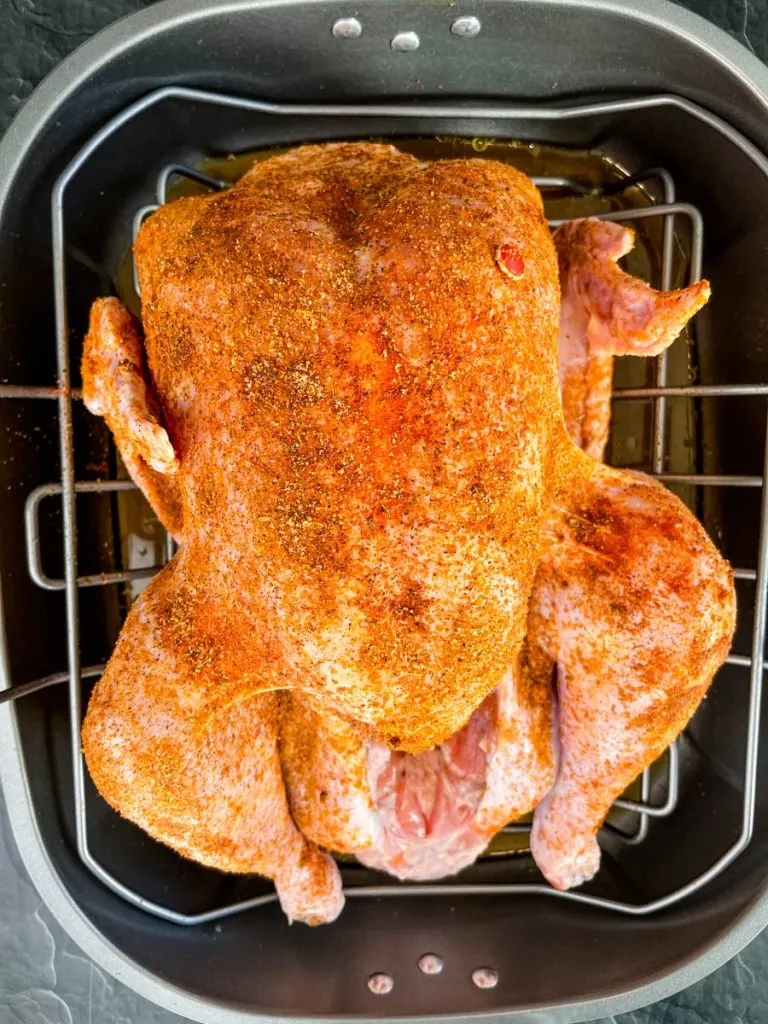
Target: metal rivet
<point x="485" y="977"/>
<point x="405" y="42"/>
<point x="467" y="28"/>
<point x="430" y="963"/>
<point x="381" y="984"/>
<point x="347" y="28"/>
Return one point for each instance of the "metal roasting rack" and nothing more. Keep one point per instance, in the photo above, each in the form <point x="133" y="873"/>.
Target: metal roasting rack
<point x="661" y="395"/>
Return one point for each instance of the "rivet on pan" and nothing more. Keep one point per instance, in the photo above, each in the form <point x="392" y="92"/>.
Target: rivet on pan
<point x="347" y="28"/>
<point x="381" y="984"/>
<point x="430" y="963"/>
<point x="405" y="42"/>
<point x="485" y="977"/>
<point x="467" y="28"/>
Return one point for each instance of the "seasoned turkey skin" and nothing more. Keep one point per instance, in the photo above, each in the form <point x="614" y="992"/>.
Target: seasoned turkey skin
<point x="346" y="407"/>
<point x="345" y="376"/>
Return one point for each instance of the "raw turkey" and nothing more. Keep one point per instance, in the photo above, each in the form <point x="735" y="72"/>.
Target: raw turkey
<point x="407" y="608"/>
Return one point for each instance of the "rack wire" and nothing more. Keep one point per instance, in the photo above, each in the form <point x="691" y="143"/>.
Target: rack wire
<point x="660" y="395"/>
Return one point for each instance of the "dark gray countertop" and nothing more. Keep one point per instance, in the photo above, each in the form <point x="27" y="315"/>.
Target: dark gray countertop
<point x="44" y="979"/>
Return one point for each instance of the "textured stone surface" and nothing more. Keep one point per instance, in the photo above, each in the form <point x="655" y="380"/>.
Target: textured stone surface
<point x="44" y="979"/>
<point x="745" y="20"/>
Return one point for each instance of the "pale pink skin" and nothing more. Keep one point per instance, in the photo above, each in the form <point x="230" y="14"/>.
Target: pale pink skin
<point x="628" y="679"/>
<point x="605" y="313"/>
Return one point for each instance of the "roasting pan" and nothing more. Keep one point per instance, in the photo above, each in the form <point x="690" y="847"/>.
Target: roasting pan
<point x="634" y="110"/>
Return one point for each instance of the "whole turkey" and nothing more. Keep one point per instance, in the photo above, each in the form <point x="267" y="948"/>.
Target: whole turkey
<point x="408" y="608"/>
